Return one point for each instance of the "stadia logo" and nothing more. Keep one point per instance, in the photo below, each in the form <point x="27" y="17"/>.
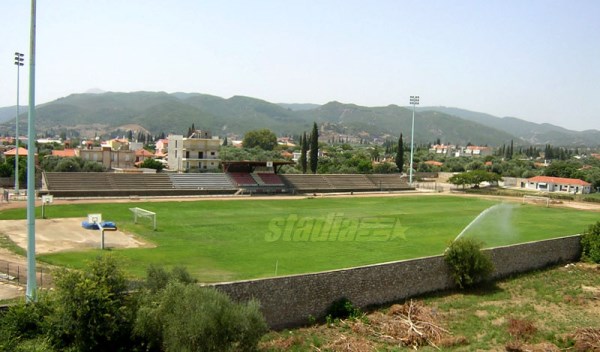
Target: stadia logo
<point x="334" y="227"/>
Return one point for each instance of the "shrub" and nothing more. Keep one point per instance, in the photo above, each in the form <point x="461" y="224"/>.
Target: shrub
<point x="342" y="308"/>
<point x="22" y="322"/>
<point x="590" y="243"/>
<point x="192" y="318"/>
<point x="91" y="311"/>
<point x="468" y="264"/>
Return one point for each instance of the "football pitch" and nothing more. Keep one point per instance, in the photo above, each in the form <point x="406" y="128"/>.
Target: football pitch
<point x="225" y="240"/>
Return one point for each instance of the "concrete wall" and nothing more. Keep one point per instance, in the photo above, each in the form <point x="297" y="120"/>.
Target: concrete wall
<point x="288" y="301"/>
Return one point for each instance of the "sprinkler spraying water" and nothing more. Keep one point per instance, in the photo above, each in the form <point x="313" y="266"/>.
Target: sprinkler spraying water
<point x="502" y="221"/>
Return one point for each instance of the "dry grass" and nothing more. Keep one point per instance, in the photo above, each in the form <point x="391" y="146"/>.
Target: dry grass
<point x="587" y="339"/>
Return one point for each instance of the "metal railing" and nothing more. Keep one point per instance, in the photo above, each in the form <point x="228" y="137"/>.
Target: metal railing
<point x="17" y="274"/>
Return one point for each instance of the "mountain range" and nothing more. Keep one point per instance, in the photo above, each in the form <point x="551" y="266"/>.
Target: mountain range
<point x="156" y="112"/>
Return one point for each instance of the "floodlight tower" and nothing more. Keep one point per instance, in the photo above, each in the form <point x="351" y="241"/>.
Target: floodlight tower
<point x="19" y="58"/>
<point x="414" y="100"/>
<point x="31" y="292"/>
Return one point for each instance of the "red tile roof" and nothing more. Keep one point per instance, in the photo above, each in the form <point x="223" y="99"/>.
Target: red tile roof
<point x="12" y="152"/>
<point x="558" y="180"/>
<point x="143" y="152"/>
<point x="67" y="153"/>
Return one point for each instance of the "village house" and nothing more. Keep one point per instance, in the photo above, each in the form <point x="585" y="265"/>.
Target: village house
<point x="557" y="184"/>
<point x="442" y="149"/>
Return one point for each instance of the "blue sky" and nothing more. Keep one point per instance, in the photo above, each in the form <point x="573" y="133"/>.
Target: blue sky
<point x="536" y="60"/>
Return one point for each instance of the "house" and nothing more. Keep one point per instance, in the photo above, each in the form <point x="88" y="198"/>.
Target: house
<point x="117" y="144"/>
<point x="442" y="149"/>
<point x="557" y="184"/>
<point x="198" y="152"/>
<point x="142" y="154"/>
<point x="109" y="158"/>
<point x="161" y="146"/>
<point x="474" y="151"/>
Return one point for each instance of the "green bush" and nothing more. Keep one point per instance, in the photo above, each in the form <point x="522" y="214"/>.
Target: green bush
<point x="468" y="264"/>
<point x="342" y="308"/>
<point x="91" y="309"/>
<point x="590" y="243"/>
<point x="20" y="323"/>
<point x="192" y="318"/>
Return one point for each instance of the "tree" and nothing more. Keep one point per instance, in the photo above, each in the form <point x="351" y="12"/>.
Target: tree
<point x="263" y="138"/>
<point x="177" y="316"/>
<point x="314" y="148"/>
<point x="152" y="164"/>
<point x="303" y="153"/>
<point x="67" y="165"/>
<point x="474" y="178"/>
<point x="400" y="155"/>
<point x="225" y="141"/>
<point x="90" y="308"/>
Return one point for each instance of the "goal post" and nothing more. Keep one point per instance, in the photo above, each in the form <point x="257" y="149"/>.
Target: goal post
<point x="537" y="200"/>
<point x="143" y="213"/>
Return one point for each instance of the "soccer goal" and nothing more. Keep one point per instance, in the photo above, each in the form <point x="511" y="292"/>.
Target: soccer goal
<point x="143" y="213"/>
<point x="537" y="200"/>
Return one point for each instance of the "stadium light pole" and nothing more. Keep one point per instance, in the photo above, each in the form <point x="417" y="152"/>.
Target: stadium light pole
<point x="414" y="100"/>
<point x="31" y="292"/>
<point x="19" y="58"/>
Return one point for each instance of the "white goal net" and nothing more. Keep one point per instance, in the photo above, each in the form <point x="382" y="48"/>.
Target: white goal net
<point x="143" y="213"/>
<point x="537" y="200"/>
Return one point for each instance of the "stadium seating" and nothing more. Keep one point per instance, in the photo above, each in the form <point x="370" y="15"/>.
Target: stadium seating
<point x="159" y="181"/>
<point x="77" y="180"/>
<point x="214" y="181"/>
<point x="269" y="179"/>
<point x="93" y="184"/>
<point x="389" y="182"/>
<point x="356" y="182"/>
<point x="242" y="179"/>
<point x="307" y="183"/>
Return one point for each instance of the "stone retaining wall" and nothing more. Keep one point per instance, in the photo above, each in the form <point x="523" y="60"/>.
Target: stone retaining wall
<point x="289" y="300"/>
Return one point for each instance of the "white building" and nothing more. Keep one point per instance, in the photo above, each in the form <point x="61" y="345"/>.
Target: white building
<point x="557" y="184"/>
<point x="196" y="153"/>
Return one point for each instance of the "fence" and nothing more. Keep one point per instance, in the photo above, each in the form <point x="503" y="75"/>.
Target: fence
<point x="17" y="274"/>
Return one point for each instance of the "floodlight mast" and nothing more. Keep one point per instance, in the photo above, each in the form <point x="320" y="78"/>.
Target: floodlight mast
<point x="31" y="292"/>
<point x="19" y="59"/>
<point x="414" y="100"/>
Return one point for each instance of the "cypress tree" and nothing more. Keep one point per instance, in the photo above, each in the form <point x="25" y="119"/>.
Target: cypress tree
<point x="400" y="154"/>
<point x="314" y="148"/>
<point x="303" y="152"/>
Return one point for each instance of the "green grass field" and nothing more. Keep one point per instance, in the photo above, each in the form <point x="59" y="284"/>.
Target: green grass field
<point x="243" y="239"/>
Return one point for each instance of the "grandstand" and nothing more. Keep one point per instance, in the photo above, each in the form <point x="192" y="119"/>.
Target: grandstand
<point x="106" y="184"/>
<point x="241" y="179"/>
